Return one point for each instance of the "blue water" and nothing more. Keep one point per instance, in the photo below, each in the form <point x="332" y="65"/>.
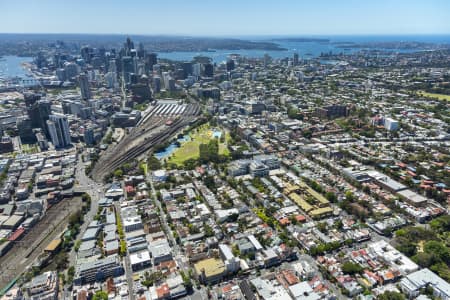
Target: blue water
<point x="307" y="49"/>
<point x="217" y="134"/>
<point x="10" y="66"/>
<point x="167" y="152"/>
<point x="171" y="148"/>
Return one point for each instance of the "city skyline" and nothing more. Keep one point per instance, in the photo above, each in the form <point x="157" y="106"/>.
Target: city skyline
<point x="252" y="18"/>
<point x="224" y="150"/>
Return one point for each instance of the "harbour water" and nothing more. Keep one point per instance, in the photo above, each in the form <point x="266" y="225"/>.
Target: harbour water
<point x="11" y="66"/>
<point x="307" y="50"/>
<point x="304" y="49"/>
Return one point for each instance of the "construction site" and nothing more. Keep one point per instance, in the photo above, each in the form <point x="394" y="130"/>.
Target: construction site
<point x="159" y="123"/>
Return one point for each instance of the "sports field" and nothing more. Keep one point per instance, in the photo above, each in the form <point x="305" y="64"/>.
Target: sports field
<point x="201" y="135"/>
<point x="433" y="95"/>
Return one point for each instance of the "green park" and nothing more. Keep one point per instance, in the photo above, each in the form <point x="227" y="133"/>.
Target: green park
<point x="202" y="135"/>
<point x="441" y="97"/>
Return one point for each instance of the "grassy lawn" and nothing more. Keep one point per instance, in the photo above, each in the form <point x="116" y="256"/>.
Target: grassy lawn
<point x="30" y="149"/>
<point x="190" y="149"/>
<point x="433" y="95"/>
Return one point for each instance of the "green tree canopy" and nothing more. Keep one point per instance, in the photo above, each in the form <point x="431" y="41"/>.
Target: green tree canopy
<point x="100" y="295"/>
<point x="391" y="296"/>
<point x="351" y="268"/>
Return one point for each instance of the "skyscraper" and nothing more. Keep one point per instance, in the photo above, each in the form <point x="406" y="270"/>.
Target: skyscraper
<point x="295" y="59"/>
<point x="230" y="65"/>
<point x="151" y="59"/>
<point x="141" y="50"/>
<point x="208" y="70"/>
<point x="156" y="84"/>
<point x="39" y="113"/>
<point x="71" y="70"/>
<point x="58" y="128"/>
<point x="112" y="65"/>
<point x="127" y="68"/>
<point x="196" y="69"/>
<point x="128" y="46"/>
<point x="84" y="87"/>
<point x="187" y="69"/>
<point x="25" y="129"/>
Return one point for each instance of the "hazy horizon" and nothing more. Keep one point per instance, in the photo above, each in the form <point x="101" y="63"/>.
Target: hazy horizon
<point x="227" y="19"/>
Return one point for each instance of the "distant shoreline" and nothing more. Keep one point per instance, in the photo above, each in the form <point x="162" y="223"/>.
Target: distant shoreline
<point x="302" y="40"/>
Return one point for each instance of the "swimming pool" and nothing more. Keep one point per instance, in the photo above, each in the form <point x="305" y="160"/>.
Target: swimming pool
<point x="171" y="148"/>
<point x="217" y="134"/>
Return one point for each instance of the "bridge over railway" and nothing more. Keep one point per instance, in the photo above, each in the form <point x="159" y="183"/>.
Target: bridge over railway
<point x="159" y="123"/>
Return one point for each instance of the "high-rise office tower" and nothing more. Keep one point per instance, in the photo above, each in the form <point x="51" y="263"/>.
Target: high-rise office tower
<point x="61" y="74"/>
<point x="71" y="70"/>
<point x="187" y="69"/>
<point x="112" y="65"/>
<point x="86" y="54"/>
<point x="39" y="113"/>
<point x="89" y="137"/>
<point x="31" y="98"/>
<point x="111" y="80"/>
<point x="58" y="128"/>
<point x="129" y="45"/>
<point x="208" y="70"/>
<point x="151" y="59"/>
<point x="230" y="65"/>
<point x="127" y="68"/>
<point x="196" y="69"/>
<point x="295" y="59"/>
<point x="156" y="84"/>
<point x="141" y="50"/>
<point x="266" y="59"/>
<point x="84" y="87"/>
<point x="25" y="129"/>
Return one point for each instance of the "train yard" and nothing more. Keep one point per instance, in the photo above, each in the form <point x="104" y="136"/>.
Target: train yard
<point x="158" y="124"/>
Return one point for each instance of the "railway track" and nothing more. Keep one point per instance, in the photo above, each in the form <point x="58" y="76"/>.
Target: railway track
<point x="142" y="138"/>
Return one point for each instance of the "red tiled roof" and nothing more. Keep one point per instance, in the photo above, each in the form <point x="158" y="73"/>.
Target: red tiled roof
<point x="300" y="218"/>
<point x="17" y="234"/>
<point x="163" y="291"/>
<point x="284" y="221"/>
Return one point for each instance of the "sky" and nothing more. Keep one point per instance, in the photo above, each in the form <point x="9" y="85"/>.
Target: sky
<point x="227" y="17"/>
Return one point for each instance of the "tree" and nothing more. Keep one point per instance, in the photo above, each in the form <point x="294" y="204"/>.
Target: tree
<point x="292" y="112"/>
<point x="75" y="218"/>
<point x="307" y="134"/>
<point x="438" y="249"/>
<point x="190" y="164"/>
<point x="61" y="260"/>
<point x="186" y="280"/>
<point x="153" y="163"/>
<point x="208" y="230"/>
<point x="351" y="268"/>
<point x="424" y="259"/>
<point x="71" y="271"/>
<point x="209" y="152"/>
<point x="151" y="279"/>
<point x="441" y="224"/>
<point x="389" y="295"/>
<point x="349" y="196"/>
<point x="322" y="226"/>
<point x="100" y="295"/>
<point x="118" y="173"/>
<point x="331" y="197"/>
<point x="209" y="182"/>
<point x="86" y="197"/>
<point x="77" y="245"/>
